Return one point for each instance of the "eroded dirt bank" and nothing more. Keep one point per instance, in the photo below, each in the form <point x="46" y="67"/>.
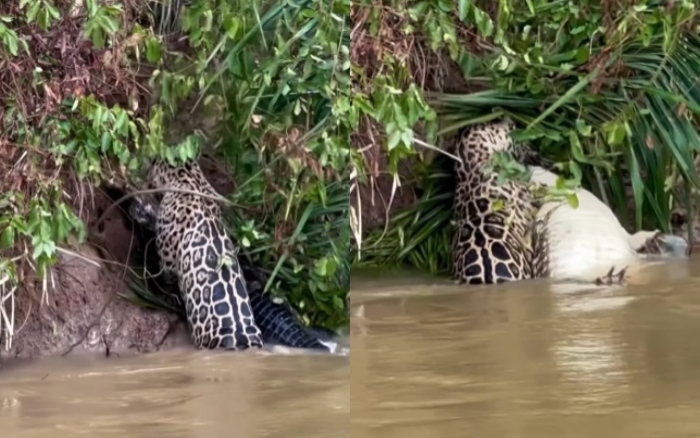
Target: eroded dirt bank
<point x="81" y="310"/>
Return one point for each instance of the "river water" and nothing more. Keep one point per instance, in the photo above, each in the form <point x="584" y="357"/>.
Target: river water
<point x="535" y="360"/>
<point x="178" y="394"/>
<point x="429" y="360"/>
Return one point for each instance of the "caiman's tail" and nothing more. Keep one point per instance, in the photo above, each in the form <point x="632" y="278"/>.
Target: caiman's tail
<point x="279" y="325"/>
<point x="277" y="321"/>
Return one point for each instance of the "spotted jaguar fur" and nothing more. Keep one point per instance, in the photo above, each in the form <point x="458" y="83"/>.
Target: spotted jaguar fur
<point x="195" y="251"/>
<point x="493" y="221"/>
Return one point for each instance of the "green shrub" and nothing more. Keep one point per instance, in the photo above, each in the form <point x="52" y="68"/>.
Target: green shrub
<point x="606" y="89"/>
<point x="90" y="93"/>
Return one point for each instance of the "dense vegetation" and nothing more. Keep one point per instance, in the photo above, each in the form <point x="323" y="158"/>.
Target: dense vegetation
<point x="607" y="89"/>
<point x="90" y="90"/>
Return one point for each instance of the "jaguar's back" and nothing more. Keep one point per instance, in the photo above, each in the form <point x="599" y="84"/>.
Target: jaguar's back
<point x="492" y="221"/>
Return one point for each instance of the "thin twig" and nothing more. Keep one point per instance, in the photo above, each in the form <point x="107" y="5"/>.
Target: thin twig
<point x="79" y="256"/>
<point x="149" y="191"/>
<point x="436" y="149"/>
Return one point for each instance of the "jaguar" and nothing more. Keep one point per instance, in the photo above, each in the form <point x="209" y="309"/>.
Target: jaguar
<point x="197" y="254"/>
<point x="492" y="221"/>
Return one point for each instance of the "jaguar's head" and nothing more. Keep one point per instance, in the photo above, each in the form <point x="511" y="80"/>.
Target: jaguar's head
<point x="162" y="174"/>
<point x="143" y="210"/>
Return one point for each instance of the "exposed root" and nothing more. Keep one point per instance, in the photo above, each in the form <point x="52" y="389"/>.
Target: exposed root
<point x="94" y="324"/>
<point x="7" y="317"/>
<point x="8" y="288"/>
<point x="355" y="215"/>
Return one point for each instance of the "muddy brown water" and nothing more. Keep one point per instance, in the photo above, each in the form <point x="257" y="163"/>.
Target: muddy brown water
<point x="177" y="394"/>
<point x="527" y="360"/>
<point x="430" y="359"/>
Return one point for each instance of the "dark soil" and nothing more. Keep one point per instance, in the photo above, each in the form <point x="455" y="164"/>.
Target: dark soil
<point x="375" y="203"/>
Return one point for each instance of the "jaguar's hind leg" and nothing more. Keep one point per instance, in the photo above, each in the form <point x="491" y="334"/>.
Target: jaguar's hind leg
<point x="611" y="277"/>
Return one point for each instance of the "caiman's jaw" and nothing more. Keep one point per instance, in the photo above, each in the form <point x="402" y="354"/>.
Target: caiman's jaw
<point x="674" y="246"/>
<point x="666" y="246"/>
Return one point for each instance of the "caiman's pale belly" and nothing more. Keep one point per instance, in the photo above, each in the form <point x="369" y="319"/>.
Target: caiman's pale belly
<point x="584" y="243"/>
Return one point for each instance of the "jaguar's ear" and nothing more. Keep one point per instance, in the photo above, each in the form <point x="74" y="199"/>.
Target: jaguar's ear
<point x="508" y="123"/>
<point x="151" y="164"/>
<point x="158" y="161"/>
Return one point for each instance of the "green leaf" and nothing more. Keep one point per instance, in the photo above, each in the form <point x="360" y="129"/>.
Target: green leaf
<point x="498" y="205"/>
<point x="616" y="134"/>
<point x="7" y="239"/>
<point x="483" y="22"/>
<point x="463" y="9"/>
<point x="105" y="141"/>
<point x="338" y="303"/>
<point x="153" y="50"/>
<point x="97" y="37"/>
<point x="394" y="139"/>
<point x="53" y="10"/>
<point x="583" y="128"/>
<point x="232" y="25"/>
<point x="568" y="96"/>
<point x="576" y="148"/>
<point x="33" y="11"/>
<point x="325" y="267"/>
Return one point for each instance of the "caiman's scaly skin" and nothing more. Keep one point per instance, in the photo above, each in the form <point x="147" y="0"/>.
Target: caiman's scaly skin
<point x="277" y="322"/>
